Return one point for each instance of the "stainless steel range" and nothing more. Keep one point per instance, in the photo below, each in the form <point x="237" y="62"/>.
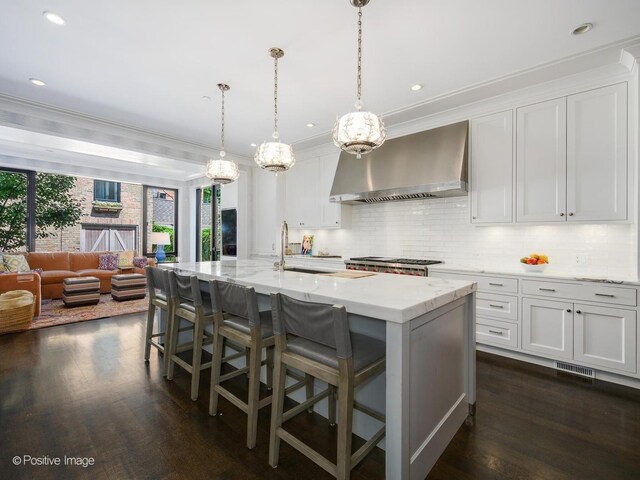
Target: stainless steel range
<point x="401" y="266"/>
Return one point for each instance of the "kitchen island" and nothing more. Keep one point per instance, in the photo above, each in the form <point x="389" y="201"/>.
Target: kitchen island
<point x="428" y="325"/>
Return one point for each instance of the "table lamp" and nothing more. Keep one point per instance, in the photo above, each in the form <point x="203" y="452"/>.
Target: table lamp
<point x="160" y="239"/>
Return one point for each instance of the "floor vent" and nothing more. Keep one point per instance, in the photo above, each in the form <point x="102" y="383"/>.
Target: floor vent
<point x="576" y="370"/>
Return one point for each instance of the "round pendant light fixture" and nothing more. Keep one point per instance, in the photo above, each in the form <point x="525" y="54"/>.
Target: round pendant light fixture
<point x="275" y="156"/>
<point x="359" y="132"/>
<point x="222" y="171"/>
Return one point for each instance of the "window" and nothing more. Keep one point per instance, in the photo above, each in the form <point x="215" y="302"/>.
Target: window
<point x="160" y="213"/>
<point x="104" y="191"/>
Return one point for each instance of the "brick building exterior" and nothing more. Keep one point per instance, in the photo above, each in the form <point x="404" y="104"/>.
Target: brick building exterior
<point x="81" y="237"/>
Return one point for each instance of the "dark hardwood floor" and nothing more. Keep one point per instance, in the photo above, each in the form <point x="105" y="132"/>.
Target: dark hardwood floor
<point x="83" y="390"/>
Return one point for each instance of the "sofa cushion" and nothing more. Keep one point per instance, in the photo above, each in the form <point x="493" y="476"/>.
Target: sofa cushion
<point x="96" y="272"/>
<point x="50" y="277"/>
<point x="49" y="261"/>
<point x="125" y="259"/>
<point x="15" y="263"/>
<point x="84" y="260"/>
<point x="108" y="261"/>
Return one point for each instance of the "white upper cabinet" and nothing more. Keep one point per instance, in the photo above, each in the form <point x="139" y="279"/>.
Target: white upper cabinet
<point x="541" y="164"/>
<point x="492" y="168"/>
<point x="597" y="154"/>
<point x="308" y="186"/>
<point x="265" y="212"/>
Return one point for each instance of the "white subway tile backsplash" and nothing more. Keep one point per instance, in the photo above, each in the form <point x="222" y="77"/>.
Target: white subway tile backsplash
<point x="440" y="229"/>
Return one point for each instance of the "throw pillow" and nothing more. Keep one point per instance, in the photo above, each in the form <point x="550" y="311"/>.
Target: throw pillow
<point x="125" y="259"/>
<point x="15" y="263"/>
<point x="108" y="261"/>
<point x="2" y="269"/>
<point x="140" y="262"/>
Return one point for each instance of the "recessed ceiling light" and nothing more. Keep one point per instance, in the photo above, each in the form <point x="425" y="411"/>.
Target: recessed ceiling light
<point x="254" y="144"/>
<point x="416" y="87"/>
<point x="37" y="82"/>
<point x="311" y="125"/>
<point x="584" y="28"/>
<point x="54" y="18"/>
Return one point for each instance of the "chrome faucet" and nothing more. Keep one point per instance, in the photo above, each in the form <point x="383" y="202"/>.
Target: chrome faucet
<point x="284" y="242"/>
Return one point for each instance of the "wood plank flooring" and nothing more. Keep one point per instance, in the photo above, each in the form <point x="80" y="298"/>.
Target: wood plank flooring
<point x="83" y="390"/>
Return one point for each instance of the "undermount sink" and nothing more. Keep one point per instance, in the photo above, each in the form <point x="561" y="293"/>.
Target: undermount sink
<point x="304" y="270"/>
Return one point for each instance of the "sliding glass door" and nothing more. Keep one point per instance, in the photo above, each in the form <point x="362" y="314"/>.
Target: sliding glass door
<point x="205" y="237"/>
<point x="17" y="210"/>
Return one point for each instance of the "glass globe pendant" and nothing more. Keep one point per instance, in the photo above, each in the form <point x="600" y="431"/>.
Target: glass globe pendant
<point x="359" y="132"/>
<point x="275" y="156"/>
<point x="222" y="171"/>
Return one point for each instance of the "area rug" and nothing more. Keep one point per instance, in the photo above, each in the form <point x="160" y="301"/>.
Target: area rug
<point x="53" y="312"/>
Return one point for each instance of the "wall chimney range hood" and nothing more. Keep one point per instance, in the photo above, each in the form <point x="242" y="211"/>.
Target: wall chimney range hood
<point x="427" y="164"/>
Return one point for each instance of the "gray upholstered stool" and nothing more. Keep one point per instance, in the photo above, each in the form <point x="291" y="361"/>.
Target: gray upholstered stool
<point x="159" y="298"/>
<point x="238" y="320"/>
<point x="194" y="307"/>
<point x="315" y="338"/>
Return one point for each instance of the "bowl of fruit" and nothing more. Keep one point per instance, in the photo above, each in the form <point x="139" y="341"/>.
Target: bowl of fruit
<point x="534" y="262"/>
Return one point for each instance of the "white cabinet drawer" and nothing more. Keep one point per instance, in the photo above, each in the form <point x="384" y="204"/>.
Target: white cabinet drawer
<point x="503" y="307"/>
<point x="487" y="284"/>
<point x="495" y="332"/>
<point x="590" y="293"/>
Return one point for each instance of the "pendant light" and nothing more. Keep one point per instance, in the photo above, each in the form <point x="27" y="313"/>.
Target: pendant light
<point x="359" y="132"/>
<point x="275" y="156"/>
<point x="222" y="171"/>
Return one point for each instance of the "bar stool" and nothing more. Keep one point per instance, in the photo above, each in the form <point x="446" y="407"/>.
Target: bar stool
<point x="192" y="306"/>
<point x="315" y="338"/>
<point x="159" y="298"/>
<point x="238" y="320"/>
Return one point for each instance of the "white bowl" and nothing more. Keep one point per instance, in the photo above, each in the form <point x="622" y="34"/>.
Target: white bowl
<point x="534" y="268"/>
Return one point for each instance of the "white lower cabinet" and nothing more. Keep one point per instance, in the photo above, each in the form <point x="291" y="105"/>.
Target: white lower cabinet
<point x="605" y="337"/>
<point x="547" y="327"/>
<point x="496" y="332"/>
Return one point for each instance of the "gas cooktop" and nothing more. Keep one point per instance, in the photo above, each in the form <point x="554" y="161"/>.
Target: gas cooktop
<point x="402" y="261"/>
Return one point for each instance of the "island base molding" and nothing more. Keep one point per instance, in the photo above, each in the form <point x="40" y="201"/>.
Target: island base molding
<point x="430" y="386"/>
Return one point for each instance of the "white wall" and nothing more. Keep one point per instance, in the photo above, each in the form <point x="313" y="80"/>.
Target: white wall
<point x="439" y="229"/>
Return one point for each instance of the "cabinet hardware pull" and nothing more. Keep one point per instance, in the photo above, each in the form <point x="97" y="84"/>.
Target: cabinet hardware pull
<point x="496" y="306"/>
<point x="497" y="332"/>
<point x="568" y="310"/>
<point x="496" y="284"/>
<point x="473" y="218"/>
<point x="547" y="289"/>
<point x="604" y="295"/>
<point x="562" y="214"/>
<point x="578" y="312"/>
<point x="571" y="214"/>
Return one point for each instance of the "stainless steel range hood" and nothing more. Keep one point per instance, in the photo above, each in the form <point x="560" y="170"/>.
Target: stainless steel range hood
<point x="432" y="163"/>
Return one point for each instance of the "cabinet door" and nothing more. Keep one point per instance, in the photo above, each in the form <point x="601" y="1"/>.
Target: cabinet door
<point x="597" y="154"/>
<point x="265" y="212"/>
<point x="541" y="166"/>
<point x="606" y="337"/>
<point x="330" y="213"/>
<point x="547" y="328"/>
<point x="492" y="168"/>
<point x="302" y="187"/>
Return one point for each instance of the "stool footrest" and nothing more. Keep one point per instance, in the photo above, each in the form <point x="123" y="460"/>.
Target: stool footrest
<point x="372" y="413"/>
<point x="234" y="374"/>
<point x="307" y="451"/>
<point x="304" y="405"/>
<point x="362" y="452"/>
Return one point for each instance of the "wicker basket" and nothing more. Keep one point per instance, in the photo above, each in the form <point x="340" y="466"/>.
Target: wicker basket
<point x="16" y="311"/>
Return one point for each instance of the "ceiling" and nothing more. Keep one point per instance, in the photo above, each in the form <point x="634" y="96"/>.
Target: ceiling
<point x="148" y="64"/>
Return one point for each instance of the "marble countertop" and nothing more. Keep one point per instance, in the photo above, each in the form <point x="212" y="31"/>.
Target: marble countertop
<point x="392" y="298"/>
<point x="550" y="273"/>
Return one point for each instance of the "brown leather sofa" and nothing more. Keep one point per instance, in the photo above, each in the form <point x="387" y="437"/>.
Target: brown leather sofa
<point x="22" y="281"/>
<point x="57" y="266"/>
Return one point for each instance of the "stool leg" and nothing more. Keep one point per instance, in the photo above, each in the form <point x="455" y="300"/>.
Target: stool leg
<point x="171" y="342"/>
<point x="254" y="394"/>
<point x="309" y="381"/>
<point x="167" y="339"/>
<point x="332" y="405"/>
<point x="198" y="335"/>
<point x="345" y="421"/>
<point x="270" y="351"/>
<point x="216" y="365"/>
<point x="151" y="314"/>
<point x="277" y="404"/>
